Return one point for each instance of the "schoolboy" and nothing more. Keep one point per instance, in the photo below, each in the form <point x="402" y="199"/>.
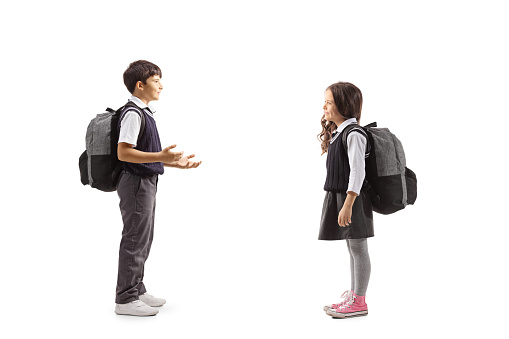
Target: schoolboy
<point x="143" y="161"/>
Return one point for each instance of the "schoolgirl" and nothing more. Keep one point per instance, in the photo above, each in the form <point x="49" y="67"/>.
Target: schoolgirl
<point x="347" y="213"/>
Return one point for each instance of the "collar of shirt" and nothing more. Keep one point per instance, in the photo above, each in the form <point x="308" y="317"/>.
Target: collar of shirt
<point x="142" y="105"/>
<point x="342" y="127"/>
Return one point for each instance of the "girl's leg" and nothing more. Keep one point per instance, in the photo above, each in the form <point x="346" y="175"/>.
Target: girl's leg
<point x="361" y="264"/>
<point x="352" y="270"/>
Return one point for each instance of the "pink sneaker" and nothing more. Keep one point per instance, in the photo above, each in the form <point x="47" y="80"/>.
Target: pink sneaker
<point x="355" y="307"/>
<point x="347" y="295"/>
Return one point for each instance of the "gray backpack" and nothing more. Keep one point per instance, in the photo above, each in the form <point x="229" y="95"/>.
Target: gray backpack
<point x="391" y="185"/>
<point x="99" y="164"/>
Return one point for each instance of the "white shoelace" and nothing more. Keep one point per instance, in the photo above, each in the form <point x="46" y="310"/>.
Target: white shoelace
<point x="347" y="304"/>
<point x="347" y="295"/>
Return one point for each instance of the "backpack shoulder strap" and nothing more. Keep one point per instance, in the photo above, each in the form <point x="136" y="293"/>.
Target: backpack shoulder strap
<point x="359" y="129"/>
<point x="131" y="106"/>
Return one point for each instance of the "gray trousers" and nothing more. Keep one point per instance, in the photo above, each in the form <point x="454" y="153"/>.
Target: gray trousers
<point x="360" y="265"/>
<point x="137" y="205"/>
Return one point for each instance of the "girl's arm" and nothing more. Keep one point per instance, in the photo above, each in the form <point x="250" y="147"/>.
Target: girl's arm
<point x="356" y="145"/>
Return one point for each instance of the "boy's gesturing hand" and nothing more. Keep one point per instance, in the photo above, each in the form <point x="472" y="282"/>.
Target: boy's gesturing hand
<point x="168" y="156"/>
<point x="184" y="163"/>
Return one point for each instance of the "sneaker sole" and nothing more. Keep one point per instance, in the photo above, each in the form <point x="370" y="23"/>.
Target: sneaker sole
<point x="155" y="305"/>
<point x="348" y="315"/>
<point x="137" y="315"/>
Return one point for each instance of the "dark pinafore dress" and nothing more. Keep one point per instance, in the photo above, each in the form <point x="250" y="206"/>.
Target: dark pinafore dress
<point x="338" y="171"/>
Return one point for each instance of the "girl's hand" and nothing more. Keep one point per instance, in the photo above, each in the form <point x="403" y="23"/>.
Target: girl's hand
<point x="345" y="216"/>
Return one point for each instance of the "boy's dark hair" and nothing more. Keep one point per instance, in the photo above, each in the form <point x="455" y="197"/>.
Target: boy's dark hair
<point x="140" y="70"/>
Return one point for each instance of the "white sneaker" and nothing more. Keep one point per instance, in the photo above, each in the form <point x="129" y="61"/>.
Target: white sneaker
<point x="137" y="308"/>
<point x="151" y="300"/>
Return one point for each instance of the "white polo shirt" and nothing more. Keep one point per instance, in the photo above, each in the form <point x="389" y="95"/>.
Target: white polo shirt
<point x="131" y="123"/>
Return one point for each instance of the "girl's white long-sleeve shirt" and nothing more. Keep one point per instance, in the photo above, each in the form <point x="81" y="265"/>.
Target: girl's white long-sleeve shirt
<point x="356" y="145"/>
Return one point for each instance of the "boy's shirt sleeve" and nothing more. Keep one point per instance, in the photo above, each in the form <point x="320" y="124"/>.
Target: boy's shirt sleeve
<point x="130" y="128"/>
<point x="356" y="144"/>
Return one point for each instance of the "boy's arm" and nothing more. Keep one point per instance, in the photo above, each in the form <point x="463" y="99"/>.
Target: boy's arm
<point x="127" y="153"/>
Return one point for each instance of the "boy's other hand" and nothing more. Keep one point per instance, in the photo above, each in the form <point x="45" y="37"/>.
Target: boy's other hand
<point x="184" y="163"/>
<point x="167" y="156"/>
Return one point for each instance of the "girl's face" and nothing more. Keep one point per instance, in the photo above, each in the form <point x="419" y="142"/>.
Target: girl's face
<point x="330" y="110"/>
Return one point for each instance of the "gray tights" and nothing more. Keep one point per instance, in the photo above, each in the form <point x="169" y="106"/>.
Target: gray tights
<point x="360" y="265"/>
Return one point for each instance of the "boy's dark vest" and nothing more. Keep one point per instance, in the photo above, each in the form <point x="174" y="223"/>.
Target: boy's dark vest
<point x="149" y="142"/>
<point x="338" y="167"/>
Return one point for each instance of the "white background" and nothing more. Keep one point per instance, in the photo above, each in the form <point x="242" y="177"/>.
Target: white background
<point x="235" y="250"/>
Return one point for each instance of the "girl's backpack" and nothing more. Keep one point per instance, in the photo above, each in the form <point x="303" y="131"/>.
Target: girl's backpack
<point x="99" y="164"/>
<point x="389" y="182"/>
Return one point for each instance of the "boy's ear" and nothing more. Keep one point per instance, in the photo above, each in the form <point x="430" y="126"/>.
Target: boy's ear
<point x="139" y="84"/>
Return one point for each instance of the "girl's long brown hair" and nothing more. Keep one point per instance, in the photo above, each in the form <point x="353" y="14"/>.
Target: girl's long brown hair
<point x="348" y="102"/>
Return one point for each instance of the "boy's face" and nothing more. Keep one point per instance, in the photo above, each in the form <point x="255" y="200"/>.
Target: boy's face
<point x="151" y="90"/>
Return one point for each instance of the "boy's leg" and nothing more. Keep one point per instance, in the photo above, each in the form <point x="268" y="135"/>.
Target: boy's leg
<point x="141" y="287"/>
<point x="137" y="204"/>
